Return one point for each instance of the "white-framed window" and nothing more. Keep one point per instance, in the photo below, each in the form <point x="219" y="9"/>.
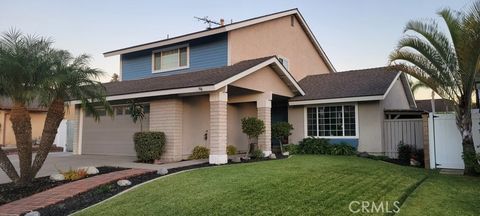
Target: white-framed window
<point x="173" y="58"/>
<point x="283" y="61"/>
<point x="330" y="121"/>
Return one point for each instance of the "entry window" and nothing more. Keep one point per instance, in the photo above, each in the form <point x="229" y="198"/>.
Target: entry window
<point x="172" y="59"/>
<point x="331" y="121"/>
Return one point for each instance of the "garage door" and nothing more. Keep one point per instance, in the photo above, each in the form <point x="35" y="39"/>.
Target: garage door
<point x="111" y="136"/>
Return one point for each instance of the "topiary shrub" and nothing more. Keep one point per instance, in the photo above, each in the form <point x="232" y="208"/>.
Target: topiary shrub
<point x="312" y="145"/>
<point x="257" y="154"/>
<point x="199" y="152"/>
<point x="231" y="150"/>
<point x="280" y="131"/>
<point x="342" y="149"/>
<point x="252" y="127"/>
<point x="405" y="152"/>
<point x="149" y="145"/>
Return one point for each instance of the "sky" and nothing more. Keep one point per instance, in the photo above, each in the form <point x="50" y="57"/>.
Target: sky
<point x="354" y="34"/>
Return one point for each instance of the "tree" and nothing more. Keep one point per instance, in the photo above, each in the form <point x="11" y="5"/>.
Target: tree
<point x="415" y="86"/>
<point x="115" y="78"/>
<point x="252" y="127"/>
<point x="30" y="69"/>
<point x="136" y="112"/>
<point x="281" y="130"/>
<point x="447" y="62"/>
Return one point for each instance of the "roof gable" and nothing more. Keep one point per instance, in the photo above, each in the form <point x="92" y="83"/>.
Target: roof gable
<point x="367" y="84"/>
<point x="226" y="28"/>
<point x="196" y="82"/>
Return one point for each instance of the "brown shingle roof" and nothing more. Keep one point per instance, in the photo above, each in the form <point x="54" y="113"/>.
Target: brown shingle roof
<point x="355" y="83"/>
<point x="185" y="80"/>
<point x="441" y="105"/>
<point x="7" y="104"/>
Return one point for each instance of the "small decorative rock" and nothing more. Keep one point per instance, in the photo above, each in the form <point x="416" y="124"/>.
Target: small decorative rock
<point x="57" y="177"/>
<point x="123" y="182"/>
<point x="33" y="213"/>
<point x="236" y="159"/>
<point x="162" y="171"/>
<point x="272" y="156"/>
<point x="90" y="170"/>
<point x="286" y="153"/>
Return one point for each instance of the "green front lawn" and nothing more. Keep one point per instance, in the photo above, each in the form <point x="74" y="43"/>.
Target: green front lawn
<point x="301" y="185"/>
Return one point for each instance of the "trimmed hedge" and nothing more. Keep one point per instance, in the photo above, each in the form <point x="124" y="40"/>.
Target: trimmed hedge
<point x="199" y="152"/>
<point x="231" y="150"/>
<point x="149" y="145"/>
<point x="321" y="146"/>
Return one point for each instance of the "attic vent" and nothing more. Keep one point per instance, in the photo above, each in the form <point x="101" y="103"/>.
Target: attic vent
<point x="284" y="62"/>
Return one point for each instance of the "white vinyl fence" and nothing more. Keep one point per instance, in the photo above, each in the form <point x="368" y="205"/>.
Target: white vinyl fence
<point x="61" y="138"/>
<point x="446" y="142"/>
<point x="406" y="131"/>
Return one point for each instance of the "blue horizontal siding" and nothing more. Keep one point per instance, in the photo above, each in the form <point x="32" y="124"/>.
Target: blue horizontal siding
<point x="208" y="52"/>
<point x="352" y="142"/>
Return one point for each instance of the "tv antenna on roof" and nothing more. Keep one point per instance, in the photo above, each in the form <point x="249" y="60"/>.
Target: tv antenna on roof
<point x="208" y="21"/>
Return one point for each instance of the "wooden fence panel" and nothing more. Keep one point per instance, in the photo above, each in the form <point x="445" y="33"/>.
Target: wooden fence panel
<point x="395" y="131"/>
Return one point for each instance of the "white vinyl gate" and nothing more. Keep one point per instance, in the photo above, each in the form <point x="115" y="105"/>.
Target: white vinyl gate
<point x="446" y="142"/>
<point x="407" y="131"/>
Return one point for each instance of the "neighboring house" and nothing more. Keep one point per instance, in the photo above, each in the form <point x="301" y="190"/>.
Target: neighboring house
<point x="441" y="105"/>
<point x="37" y="115"/>
<point x="197" y="87"/>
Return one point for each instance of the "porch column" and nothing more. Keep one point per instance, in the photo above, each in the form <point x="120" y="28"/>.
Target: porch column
<point x="166" y="115"/>
<point x="264" y="108"/>
<point x="218" y="127"/>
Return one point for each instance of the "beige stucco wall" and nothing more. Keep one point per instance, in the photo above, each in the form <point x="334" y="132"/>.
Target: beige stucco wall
<point x="396" y="98"/>
<point x="296" y="117"/>
<point x="196" y="121"/>
<point x="265" y="80"/>
<point x="7" y="137"/>
<point x="370" y="119"/>
<point x="277" y="37"/>
<point x="234" y="125"/>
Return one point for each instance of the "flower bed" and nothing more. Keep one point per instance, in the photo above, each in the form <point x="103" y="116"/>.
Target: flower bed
<point x="10" y="192"/>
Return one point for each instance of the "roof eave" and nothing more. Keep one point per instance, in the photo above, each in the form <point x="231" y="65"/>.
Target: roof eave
<point x="336" y="100"/>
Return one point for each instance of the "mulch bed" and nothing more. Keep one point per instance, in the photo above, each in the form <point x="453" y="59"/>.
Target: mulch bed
<point x="10" y="192"/>
<point x="103" y="192"/>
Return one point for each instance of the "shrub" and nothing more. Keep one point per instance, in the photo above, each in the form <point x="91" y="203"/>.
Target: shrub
<point x="252" y="127"/>
<point x="231" y="150"/>
<point x="280" y="131"/>
<point x="257" y="154"/>
<point x="72" y="175"/>
<point x="419" y="156"/>
<point x="149" y="145"/>
<point x="291" y="149"/>
<point x="314" y="146"/>
<point x="342" y="149"/>
<point x="199" y="152"/>
<point x="378" y="157"/>
<point x="405" y="152"/>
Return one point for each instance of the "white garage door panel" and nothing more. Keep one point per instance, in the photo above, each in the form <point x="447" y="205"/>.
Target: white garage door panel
<point x="111" y="136"/>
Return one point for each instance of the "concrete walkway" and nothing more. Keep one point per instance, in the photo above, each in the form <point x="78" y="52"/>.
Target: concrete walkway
<point x="64" y="161"/>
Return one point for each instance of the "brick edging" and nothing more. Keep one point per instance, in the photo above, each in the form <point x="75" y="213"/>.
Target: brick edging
<point x="65" y="191"/>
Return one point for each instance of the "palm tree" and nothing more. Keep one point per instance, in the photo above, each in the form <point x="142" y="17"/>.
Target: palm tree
<point x="136" y="112"/>
<point x="447" y="62"/>
<point x="30" y="69"/>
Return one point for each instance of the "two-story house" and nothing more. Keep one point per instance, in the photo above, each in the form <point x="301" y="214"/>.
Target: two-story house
<point x="197" y="87"/>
